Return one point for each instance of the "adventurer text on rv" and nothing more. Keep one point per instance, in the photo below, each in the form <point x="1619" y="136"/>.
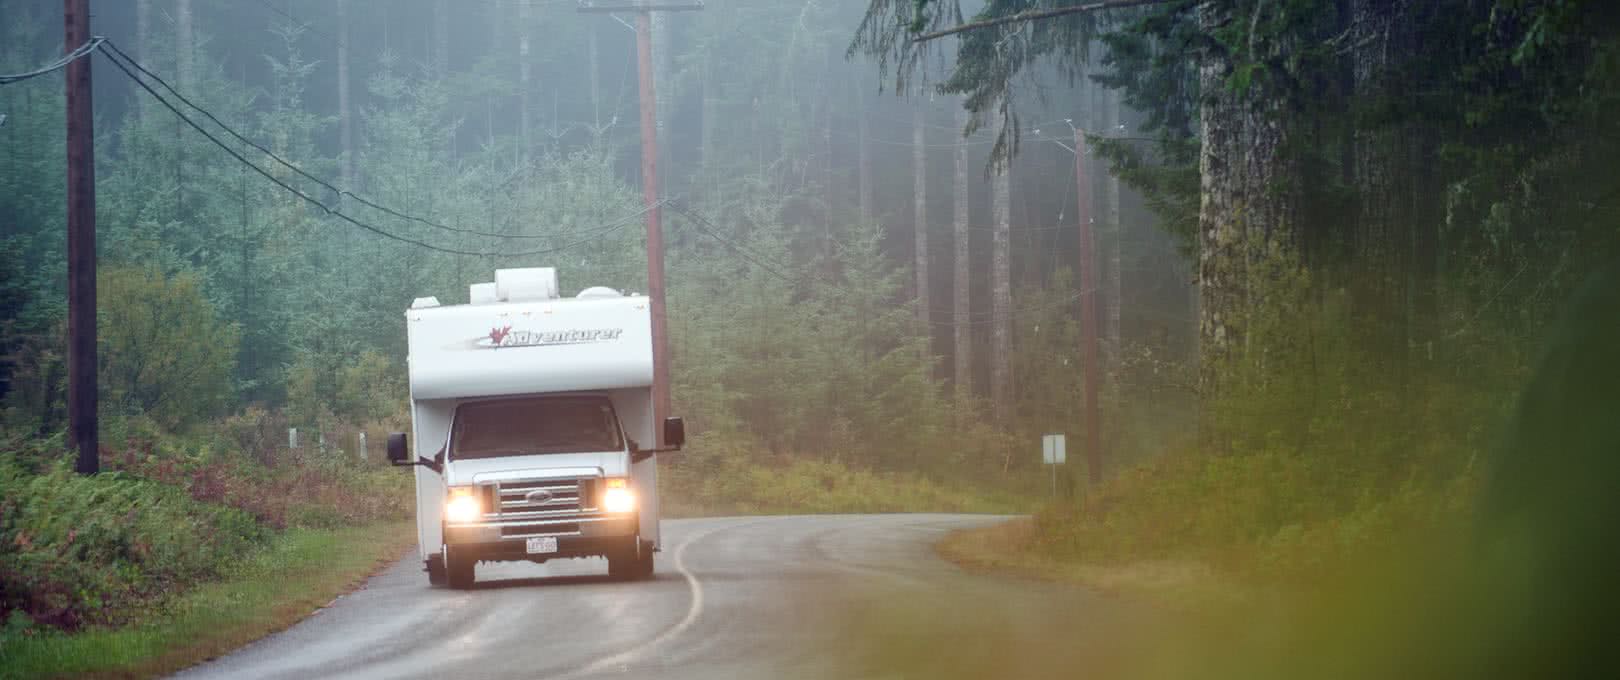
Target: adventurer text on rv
<point x="533" y="434"/>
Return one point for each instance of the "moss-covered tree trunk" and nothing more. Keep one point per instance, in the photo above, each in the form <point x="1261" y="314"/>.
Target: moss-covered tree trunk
<point x="1397" y="187"/>
<point x="1246" y="202"/>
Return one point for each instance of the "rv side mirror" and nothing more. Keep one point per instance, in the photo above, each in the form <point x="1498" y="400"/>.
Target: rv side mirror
<point x="396" y="448"/>
<point x="674" y="432"/>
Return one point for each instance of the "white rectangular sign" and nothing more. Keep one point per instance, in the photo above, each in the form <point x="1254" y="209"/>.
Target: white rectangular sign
<point x="1052" y="449"/>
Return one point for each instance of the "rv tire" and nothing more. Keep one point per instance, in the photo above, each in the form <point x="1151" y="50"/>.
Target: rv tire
<point x="460" y="571"/>
<point x="435" y="570"/>
<point x="634" y="562"/>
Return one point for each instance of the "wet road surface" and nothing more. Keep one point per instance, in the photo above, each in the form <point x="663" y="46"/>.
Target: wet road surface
<point x="747" y="597"/>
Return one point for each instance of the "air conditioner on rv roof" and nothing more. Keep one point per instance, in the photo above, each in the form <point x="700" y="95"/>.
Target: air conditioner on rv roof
<point x="523" y="285"/>
<point x="482" y="293"/>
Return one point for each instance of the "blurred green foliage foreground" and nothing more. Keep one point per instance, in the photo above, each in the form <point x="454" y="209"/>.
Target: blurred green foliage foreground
<point x="1523" y="585"/>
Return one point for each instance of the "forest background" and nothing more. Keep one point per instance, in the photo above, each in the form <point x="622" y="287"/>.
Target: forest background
<point x="1332" y="237"/>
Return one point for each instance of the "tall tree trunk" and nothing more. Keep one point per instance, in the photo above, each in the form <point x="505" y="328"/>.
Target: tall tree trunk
<point x="1221" y="245"/>
<point x="710" y="110"/>
<point x="1398" y="198"/>
<point x="1116" y="237"/>
<point x="919" y="210"/>
<point x="523" y="77"/>
<point x="1001" y="286"/>
<point x="962" y="351"/>
<point x="1243" y="208"/>
<point x="345" y="110"/>
<point x="184" y="44"/>
<point x="595" y="77"/>
<point x="441" y="37"/>
<point x="1376" y="155"/>
<point x="143" y="48"/>
<point x="864" y="154"/>
<point x="829" y="188"/>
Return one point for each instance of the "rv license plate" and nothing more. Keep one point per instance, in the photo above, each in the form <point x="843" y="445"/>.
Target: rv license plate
<point x="543" y="544"/>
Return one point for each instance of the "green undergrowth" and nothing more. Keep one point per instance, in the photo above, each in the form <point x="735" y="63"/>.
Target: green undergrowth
<point x="1323" y="450"/>
<point x="275" y="585"/>
<point x="1357" y="512"/>
<point x="717" y="478"/>
<point x="91" y="555"/>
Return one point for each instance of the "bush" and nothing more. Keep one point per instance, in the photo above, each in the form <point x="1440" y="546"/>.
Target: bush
<point x="82" y="550"/>
<point x="729" y="476"/>
<point x="314" y="490"/>
<point x="163" y="353"/>
<point x="1327" y="447"/>
<point x="160" y="517"/>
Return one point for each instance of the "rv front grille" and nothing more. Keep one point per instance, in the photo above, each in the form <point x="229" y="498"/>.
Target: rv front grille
<point x="539" y="498"/>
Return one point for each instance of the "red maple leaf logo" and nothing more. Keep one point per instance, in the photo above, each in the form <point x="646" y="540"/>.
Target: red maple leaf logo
<point x="496" y="335"/>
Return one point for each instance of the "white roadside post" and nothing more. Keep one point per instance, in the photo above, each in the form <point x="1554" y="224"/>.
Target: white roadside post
<point x="1053" y="454"/>
<point x="292" y="437"/>
<point x="362" y="447"/>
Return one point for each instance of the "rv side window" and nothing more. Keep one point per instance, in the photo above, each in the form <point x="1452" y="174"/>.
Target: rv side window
<point x="531" y="425"/>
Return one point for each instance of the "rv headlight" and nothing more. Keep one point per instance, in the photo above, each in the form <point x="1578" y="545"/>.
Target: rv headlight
<point x="617" y="496"/>
<point x="463" y="506"/>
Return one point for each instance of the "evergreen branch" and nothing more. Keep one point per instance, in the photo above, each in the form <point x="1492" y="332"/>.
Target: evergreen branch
<point x="1035" y="15"/>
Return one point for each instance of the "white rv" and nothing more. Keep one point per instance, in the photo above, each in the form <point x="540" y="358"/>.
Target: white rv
<point x="533" y="434"/>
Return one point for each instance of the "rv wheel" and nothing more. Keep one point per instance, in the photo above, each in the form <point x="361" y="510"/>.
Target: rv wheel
<point x="459" y="570"/>
<point x="635" y="561"/>
<point x="644" y="562"/>
<point x="435" y="570"/>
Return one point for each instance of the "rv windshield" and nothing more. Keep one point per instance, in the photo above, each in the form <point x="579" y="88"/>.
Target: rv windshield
<point x="530" y="425"/>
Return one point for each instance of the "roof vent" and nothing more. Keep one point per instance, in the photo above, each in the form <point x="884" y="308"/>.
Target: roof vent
<point x="482" y="293"/>
<point x="425" y="302"/>
<point x="522" y="285"/>
<point x="598" y="292"/>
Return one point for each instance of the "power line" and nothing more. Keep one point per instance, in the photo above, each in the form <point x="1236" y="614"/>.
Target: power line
<point x="61" y="62"/>
<point x="707" y="227"/>
<point x="338" y="213"/>
<point x="300" y="171"/>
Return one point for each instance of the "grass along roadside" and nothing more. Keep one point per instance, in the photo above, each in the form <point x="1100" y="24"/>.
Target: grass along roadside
<point x="1008" y="548"/>
<point x="298" y="572"/>
<point x="793" y="487"/>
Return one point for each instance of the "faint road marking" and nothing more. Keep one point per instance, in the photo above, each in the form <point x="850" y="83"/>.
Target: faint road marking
<point x="693" y="610"/>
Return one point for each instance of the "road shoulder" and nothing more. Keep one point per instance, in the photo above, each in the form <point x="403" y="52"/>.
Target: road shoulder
<point x="298" y="573"/>
<point x="1008" y="549"/>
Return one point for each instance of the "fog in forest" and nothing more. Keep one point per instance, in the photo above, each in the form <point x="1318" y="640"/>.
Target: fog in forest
<point x="1313" y="290"/>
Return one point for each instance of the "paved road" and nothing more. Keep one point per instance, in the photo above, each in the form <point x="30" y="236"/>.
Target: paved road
<point x="750" y="597"/>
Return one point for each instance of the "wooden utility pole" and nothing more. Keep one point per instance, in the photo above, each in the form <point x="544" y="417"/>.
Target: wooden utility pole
<point x="1088" y="312"/>
<point x="81" y="242"/>
<point x="649" y="194"/>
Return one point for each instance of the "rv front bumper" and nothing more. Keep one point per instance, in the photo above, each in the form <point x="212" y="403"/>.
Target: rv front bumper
<point x="516" y="532"/>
